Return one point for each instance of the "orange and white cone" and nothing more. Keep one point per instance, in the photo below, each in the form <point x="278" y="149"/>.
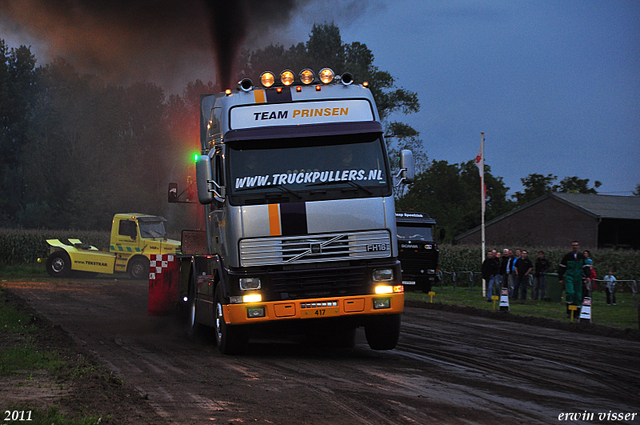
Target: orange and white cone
<point x="585" y="311"/>
<point x="504" y="299"/>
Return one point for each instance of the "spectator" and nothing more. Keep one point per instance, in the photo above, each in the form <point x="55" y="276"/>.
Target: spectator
<point x="524" y="266"/>
<point x="610" y="288"/>
<point x="503" y="268"/>
<point x="590" y="281"/>
<point x="510" y="273"/>
<point x="490" y="269"/>
<point x="540" y="284"/>
<point x="514" y="273"/>
<point x="572" y="271"/>
<point x="498" y="278"/>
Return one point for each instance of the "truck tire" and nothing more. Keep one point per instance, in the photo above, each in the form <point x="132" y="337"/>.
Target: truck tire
<point x="382" y="332"/>
<point x="230" y="339"/>
<point x="59" y="264"/>
<point x="139" y="268"/>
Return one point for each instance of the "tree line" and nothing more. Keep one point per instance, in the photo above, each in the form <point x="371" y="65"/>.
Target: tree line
<point x="74" y="150"/>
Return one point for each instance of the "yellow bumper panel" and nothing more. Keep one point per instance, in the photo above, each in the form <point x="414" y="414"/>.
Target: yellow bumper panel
<point x="237" y="314"/>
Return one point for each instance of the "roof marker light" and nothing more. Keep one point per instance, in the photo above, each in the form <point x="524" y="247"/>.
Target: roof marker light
<point x="298" y="89"/>
<point x="227" y="92"/>
<point x="318" y="87"/>
<point x="267" y="79"/>
<point x="327" y="75"/>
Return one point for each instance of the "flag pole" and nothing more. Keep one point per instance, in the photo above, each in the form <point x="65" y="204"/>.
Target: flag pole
<point x="482" y="200"/>
<point x="482" y="192"/>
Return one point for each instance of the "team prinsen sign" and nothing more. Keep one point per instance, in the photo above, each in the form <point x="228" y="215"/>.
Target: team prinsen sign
<point x="309" y="177"/>
<point x="296" y="113"/>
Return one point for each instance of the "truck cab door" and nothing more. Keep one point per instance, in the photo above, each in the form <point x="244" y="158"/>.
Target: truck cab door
<point x="125" y="240"/>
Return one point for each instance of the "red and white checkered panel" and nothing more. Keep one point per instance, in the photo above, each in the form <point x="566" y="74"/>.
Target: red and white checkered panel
<point x="163" y="284"/>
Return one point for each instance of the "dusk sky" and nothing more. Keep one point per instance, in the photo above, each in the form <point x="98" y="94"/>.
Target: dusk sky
<point x="554" y="85"/>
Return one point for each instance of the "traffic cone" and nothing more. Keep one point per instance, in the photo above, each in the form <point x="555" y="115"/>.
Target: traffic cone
<point x="504" y="299"/>
<point x="585" y="311"/>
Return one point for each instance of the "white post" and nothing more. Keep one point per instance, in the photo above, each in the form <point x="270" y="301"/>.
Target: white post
<point x="482" y="200"/>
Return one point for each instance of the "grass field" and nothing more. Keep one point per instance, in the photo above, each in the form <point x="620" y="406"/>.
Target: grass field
<point x="624" y="315"/>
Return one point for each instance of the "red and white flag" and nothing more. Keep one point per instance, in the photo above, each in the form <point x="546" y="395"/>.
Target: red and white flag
<point x="480" y="164"/>
<point x="480" y="160"/>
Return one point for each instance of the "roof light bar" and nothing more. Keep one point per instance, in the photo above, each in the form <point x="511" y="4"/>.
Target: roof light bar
<point x="267" y="79"/>
<point x="287" y="77"/>
<point x="327" y="75"/>
<point x="307" y="76"/>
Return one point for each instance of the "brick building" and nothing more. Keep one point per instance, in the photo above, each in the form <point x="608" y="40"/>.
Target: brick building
<point x="556" y="219"/>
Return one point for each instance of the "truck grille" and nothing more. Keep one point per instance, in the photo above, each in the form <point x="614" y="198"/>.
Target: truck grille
<point x="318" y="283"/>
<point x="315" y="248"/>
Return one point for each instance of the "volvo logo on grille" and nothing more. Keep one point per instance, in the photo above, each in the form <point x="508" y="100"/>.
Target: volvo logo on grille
<point x="316" y="248"/>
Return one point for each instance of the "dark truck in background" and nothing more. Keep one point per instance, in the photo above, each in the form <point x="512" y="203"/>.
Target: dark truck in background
<point x="417" y="250"/>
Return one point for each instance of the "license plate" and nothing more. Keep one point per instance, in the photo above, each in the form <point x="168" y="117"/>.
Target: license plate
<point x="318" y="313"/>
<point x="408" y="282"/>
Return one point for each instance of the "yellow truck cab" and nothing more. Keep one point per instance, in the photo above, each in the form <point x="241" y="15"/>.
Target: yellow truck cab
<point x="134" y="238"/>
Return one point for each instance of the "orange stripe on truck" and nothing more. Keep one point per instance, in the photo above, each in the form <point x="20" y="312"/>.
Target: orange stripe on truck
<point x="259" y="96"/>
<point x="274" y="220"/>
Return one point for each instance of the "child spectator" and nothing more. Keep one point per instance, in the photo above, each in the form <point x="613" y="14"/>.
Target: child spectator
<point x="610" y="288"/>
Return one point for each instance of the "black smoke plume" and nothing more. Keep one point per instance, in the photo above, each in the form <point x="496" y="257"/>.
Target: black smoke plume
<point x="156" y="40"/>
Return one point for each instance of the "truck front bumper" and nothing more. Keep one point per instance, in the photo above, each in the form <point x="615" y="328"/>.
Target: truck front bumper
<point x="316" y="308"/>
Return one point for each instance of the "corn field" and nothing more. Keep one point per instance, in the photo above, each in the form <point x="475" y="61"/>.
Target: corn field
<point x="26" y="246"/>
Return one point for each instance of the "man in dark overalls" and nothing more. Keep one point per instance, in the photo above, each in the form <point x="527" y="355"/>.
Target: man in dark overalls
<point x="572" y="272"/>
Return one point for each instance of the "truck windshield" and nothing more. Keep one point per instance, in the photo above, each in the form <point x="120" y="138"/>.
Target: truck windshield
<point x="152" y="229"/>
<point x="298" y="170"/>
<point x="415" y="233"/>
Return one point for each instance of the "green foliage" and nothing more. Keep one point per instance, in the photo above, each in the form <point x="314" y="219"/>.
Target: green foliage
<point x="537" y="185"/>
<point x="450" y="193"/>
<point x="26" y="246"/>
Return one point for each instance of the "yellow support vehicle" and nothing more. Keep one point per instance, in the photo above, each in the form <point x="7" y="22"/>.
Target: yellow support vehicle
<point x="134" y="238"/>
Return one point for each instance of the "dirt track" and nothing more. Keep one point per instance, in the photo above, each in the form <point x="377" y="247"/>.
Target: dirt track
<point x="448" y="368"/>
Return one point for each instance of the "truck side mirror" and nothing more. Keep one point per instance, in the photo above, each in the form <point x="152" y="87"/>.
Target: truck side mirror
<point x="208" y="189"/>
<point x="407" y="166"/>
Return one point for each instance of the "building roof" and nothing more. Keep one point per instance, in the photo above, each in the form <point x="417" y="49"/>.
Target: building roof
<point x="604" y="206"/>
<point x="600" y="206"/>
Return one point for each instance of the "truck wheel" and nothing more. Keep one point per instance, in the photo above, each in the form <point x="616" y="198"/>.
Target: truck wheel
<point x="230" y="339"/>
<point x="139" y="268"/>
<point x="59" y="264"/>
<point x="383" y="332"/>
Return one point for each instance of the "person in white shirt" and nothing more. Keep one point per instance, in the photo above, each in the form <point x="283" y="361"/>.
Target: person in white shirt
<point x="610" y="288"/>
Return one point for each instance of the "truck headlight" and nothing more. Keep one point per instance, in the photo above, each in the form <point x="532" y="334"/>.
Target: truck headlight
<point x="382" y="275"/>
<point x="249" y="283"/>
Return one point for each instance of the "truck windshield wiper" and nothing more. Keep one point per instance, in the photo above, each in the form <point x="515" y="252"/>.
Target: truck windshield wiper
<point x="349" y="182"/>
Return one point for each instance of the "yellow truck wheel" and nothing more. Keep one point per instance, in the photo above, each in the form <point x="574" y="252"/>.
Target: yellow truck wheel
<point x="139" y="268"/>
<point x="59" y="264"/>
